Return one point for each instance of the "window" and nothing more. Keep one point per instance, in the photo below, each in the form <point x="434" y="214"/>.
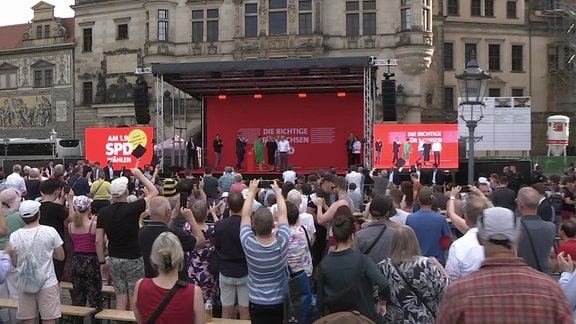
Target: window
<point x="352" y="18"/>
<point x="162" y="24"/>
<point x="305" y="17"/>
<point x="199" y="25"/>
<point x="39" y="32"/>
<point x="46" y="31"/>
<point x="489" y="8"/>
<point x="87" y="39"/>
<point x="494" y="57"/>
<point x="469" y="52"/>
<point x="448" y="56"/>
<point x="568" y="58"/>
<point x="87" y="93"/>
<point x="494" y="92"/>
<point x="449" y="98"/>
<point x="511" y="10"/>
<point x="369" y="17"/>
<point x="43" y="77"/>
<point x="426" y="25"/>
<point x="517" y="58"/>
<point x="517" y="92"/>
<point x="405" y="15"/>
<point x="8" y="76"/>
<point x="553" y="59"/>
<point x="453" y="9"/>
<point x="251" y="20"/>
<point x="278" y="17"/>
<point x="475" y="8"/>
<point x="122" y="31"/>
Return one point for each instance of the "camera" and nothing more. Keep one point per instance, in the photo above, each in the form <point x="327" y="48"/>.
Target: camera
<point x="265" y="183"/>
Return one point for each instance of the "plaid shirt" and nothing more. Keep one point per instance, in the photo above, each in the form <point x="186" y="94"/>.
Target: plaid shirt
<point x="504" y="290"/>
<point x="225" y="181"/>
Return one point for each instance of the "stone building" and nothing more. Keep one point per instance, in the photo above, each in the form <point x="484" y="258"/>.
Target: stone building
<point x="37" y="76"/>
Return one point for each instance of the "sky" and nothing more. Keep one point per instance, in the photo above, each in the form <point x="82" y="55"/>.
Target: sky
<point x="14" y="12"/>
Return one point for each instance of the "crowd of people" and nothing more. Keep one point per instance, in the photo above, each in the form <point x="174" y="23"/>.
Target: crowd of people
<point x="370" y="246"/>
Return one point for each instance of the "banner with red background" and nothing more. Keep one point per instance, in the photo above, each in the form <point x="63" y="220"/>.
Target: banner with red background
<point x="116" y="144"/>
<point x="317" y="126"/>
<point x="445" y="134"/>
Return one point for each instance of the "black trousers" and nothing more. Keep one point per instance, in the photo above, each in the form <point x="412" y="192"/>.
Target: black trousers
<point x="266" y="314"/>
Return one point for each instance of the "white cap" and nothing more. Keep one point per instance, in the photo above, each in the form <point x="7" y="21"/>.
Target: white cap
<point x="29" y="208"/>
<point x="118" y="186"/>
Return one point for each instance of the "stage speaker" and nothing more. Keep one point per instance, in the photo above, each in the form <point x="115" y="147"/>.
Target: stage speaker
<point x="389" y="99"/>
<point x="141" y="111"/>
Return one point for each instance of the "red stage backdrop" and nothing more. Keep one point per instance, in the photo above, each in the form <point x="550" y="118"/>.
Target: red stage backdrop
<point x="116" y="144"/>
<point x="316" y="126"/>
<point x="416" y="135"/>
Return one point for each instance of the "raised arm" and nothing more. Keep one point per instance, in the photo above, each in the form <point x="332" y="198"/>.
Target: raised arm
<point x="150" y="187"/>
<point x="281" y="210"/>
<point x="458" y="222"/>
<point x="249" y="201"/>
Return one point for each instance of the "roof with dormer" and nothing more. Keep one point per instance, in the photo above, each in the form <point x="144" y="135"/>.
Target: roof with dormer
<point x="12" y="36"/>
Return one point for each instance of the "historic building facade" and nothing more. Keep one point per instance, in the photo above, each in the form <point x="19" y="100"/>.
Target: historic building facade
<point x="36" y="76"/>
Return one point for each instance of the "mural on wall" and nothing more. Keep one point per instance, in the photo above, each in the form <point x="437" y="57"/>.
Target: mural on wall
<point x="26" y="111"/>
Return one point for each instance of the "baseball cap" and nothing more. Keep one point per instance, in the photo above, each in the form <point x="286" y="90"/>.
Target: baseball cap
<point x="118" y="186"/>
<point x="382" y="206"/>
<point x="29" y="208"/>
<point x="498" y="225"/>
<point x="81" y="203"/>
<point x="483" y="180"/>
<point x="224" y="194"/>
<point x="169" y="188"/>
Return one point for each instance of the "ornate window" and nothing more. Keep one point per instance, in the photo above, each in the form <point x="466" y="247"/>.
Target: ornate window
<point x="353" y="13"/>
<point x="8" y="76"/>
<point x="204" y="20"/>
<point x="251" y="20"/>
<point x="43" y="74"/>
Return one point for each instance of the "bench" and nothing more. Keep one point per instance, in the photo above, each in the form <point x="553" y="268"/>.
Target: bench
<point x="107" y="291"/>
<point x="128" y="316"/>
<point x="67" y="310"/>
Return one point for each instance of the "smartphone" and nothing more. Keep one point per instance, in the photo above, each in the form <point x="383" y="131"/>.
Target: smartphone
<point x="265" y="183"/>
<point x="66" y="189"/>
<point x="184" y="199"/>
<point x="465" y="189"/>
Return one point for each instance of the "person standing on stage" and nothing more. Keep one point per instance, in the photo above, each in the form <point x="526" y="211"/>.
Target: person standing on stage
<point x="272" y="148"/>
<point x="217" y="144"/>
<point x="395" y="150"/>
<point x="240" y="150"/>
<point x="436" y="149"/>
<point x="378" y="148"/>
<point x="259" y="152"/>
<point x="406" y="152"/>
<point x="283" y="151"/>
<point x="349" y="144"/>
<point x="192" y="153"/>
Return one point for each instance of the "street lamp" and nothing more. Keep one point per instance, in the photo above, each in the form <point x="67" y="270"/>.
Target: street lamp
<point x="472" y="84"/>
<point x="53" y="135"/>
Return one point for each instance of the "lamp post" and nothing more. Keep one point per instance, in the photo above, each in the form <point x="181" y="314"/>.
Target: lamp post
<point x="53" y="136"/>
<point x="472" y="83"/>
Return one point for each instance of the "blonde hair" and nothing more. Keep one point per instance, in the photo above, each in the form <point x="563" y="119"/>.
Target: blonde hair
<point x="167" y="253"/>
<point x="404" y="246"/>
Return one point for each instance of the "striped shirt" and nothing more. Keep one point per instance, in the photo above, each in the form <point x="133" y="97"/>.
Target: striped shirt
<point x="266" y="265"/>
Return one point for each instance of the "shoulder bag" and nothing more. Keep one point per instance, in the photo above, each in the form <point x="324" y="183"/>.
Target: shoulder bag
<point x="179" y="284"/>
<point x="376" y="240"/>
<point x="532" y="245"/>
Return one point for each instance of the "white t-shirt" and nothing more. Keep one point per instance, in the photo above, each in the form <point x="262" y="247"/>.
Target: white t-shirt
<point x="289" y="176"/>
<point x="42" y="246"/>
<point x="355" y="177"/>
<point x="400" y="217"/>
<point x="307" y="220"/>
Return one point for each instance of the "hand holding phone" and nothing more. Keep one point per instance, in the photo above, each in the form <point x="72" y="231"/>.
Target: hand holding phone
<point x="183" y="200"/>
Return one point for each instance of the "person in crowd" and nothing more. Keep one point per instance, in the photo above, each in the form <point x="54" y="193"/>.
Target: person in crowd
<point x="192" y="153"/>
<point x="259" y="152"/>
<point x="567" y="233"/>
<point x="505" y="289"/>
<point x="567" y="279"/>
<point x="418" y="282"/>
<point x="545" y="210"/>
<point x="54" y="213"/>
<point x="119" y="223"/>
<point x="15" y="180"/>
<point x="538" y="235"/>
<point x="109" y="171"/>
<point x="283" y="151"/>
<point x="266" y="256"/>
<point x="227" y="179"/>
<point x="380" y="179"/>
<point x="304" y="218"/>
<point x="100" y="192"/>
<point x="10" y="221"/>
<point x="431" y="228"/>
<point x="198" y="260"/>
<point x="567" y="210"/>
<point x="45" y="243"/>
<point x="160" y="213"/>
<point x="289" y="175"/>
<point x="238" y="184"/>
<point x="301" y="240"/>
<point x="342" y="199"/>
<point x="401" y="215"/>
<point x="78" y="183"/>
<point x="86" y="276"/>
<point x="408" y="196"/>
<point x="346" y="276"/>
<point x="233" y="277"/>
<point x="217" y="145"/>
<point x="466" y="254"/>
<point x="375" y="239"/>
<point x="356" y="197"/>
<point x="211" y="187"/>
<point x="240" y="150"/>
<point x="324" y="191"/>
<point x="33" y="184"/>
<point x="187" y="303"/>
<point x="354" y="177"/>
<point x="501" y="195"/>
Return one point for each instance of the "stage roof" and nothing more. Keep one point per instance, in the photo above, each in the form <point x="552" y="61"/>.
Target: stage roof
<point x="270" y="76"/>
